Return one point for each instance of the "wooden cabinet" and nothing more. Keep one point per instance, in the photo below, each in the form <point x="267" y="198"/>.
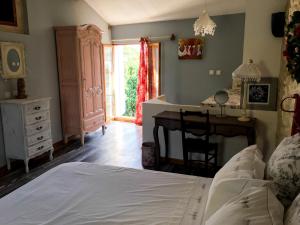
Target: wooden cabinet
<point x="81" y="77"/>
<point x="26" y="129"/>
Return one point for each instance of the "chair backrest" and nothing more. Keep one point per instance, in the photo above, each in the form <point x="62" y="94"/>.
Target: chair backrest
<point x="195" y="122"/>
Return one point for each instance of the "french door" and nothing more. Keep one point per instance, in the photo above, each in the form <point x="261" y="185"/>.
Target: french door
<point x="121" y="64"/>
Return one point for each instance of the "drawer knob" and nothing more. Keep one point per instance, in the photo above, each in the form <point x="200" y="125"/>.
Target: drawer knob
<point x="37" y="108"/>
<point x="38" y="118"/>
<point x="39" y="128"/>
<point x="40" y="138"/>
<point x="40" y="148"/>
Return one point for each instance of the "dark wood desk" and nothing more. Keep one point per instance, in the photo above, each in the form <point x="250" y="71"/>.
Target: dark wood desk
<point x="228" y="126"/>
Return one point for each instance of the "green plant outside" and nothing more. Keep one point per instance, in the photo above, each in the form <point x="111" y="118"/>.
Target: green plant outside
<point x="131" y="65"/>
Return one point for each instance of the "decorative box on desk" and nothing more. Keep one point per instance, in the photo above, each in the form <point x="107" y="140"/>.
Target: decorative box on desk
<point x="26" y="129"/>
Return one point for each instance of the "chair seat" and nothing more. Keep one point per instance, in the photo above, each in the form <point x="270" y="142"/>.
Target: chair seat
<point x="198" y="145"/>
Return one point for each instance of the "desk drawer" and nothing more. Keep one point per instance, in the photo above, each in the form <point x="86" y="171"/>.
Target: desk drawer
<point x="32" y="140"/>
<point x="40" y="148"/>
<point x="37" y="128"/>
<point x="36" y="118"/>
<point x="37" y="107"/>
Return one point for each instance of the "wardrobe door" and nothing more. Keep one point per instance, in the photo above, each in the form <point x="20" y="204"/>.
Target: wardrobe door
<point x="87" y="78"/>
<point x="98" y="78"/>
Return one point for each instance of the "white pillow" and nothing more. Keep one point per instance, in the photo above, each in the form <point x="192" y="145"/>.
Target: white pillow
<point x="245" y="164"/>
<point x="284" y="169"/>
<point x="234" y="177"/>
<point x="223" y="190"/>
<point x="256" y="206"/>
<point x="292" y="216"/>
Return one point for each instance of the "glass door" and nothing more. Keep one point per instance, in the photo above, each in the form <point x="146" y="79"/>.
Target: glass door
<point x="109" y="81"/>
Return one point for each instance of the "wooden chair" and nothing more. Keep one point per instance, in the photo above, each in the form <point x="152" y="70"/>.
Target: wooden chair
<point x="195" y="139"/>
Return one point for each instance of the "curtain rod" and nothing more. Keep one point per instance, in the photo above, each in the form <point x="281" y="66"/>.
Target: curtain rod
<point x="171" y="37"/>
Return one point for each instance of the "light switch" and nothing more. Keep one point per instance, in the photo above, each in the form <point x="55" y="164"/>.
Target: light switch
<point x="211" y="72"/>
<point x="218" y="72"/>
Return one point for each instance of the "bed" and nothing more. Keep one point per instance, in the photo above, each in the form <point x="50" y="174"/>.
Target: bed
<point x="91" y="194"/>
<point x="87" y="193"/>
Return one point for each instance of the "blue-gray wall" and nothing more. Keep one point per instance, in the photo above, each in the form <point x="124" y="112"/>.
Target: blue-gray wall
<point x="188" y="81"/>
<point x="40" y="51"/>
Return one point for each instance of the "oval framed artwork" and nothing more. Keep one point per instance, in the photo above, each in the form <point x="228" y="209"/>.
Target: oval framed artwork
<point x="12" y="60"/>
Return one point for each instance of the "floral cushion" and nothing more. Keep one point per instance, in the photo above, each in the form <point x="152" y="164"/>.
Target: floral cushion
<point x="284" y="169"/>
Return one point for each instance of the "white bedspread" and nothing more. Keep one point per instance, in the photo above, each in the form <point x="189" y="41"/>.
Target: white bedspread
<point x="91" y="194"/>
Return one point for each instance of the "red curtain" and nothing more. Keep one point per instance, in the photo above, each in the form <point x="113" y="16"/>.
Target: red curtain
<point x="142" y="88"/>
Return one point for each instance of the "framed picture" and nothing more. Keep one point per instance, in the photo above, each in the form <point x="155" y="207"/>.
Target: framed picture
<point x="13" y="16"/>
<point x="190" y="48"/>
<point x="259" y="93"/>
<point x="8" y="14"/>
<point x="12" y="60"/>
<point x="262" y="95"/>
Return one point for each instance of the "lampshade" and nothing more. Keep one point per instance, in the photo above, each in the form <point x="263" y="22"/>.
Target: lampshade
<point x="204" y="25"/>
<point x="247" y="72"/>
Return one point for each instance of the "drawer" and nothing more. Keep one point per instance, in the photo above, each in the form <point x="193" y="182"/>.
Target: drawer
<point x="36" y="118"/>
<point x="93" y="123"/>
<point x="37" y="107"/>
<point x="37" y="128"/>
<point x="42" y="136"/>
<point x="40" y="148"/>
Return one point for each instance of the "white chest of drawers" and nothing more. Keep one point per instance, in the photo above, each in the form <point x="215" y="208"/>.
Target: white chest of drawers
<point x="26" y="129"/>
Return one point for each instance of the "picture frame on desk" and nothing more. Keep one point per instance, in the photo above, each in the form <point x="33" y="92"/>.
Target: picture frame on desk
<point x="262" y="95"/>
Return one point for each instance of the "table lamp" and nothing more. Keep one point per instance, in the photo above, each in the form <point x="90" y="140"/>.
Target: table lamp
<point x="247" y="72"/>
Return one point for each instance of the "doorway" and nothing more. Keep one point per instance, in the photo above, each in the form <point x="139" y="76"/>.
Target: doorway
<point x="121" y="64"/>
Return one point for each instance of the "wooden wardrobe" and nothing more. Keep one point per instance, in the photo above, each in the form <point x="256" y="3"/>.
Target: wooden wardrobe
<point x="81" y="79"/>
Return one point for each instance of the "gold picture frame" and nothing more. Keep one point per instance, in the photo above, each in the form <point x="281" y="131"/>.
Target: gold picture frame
<point x="12" y="60"/>
<point x="14" y="16"/>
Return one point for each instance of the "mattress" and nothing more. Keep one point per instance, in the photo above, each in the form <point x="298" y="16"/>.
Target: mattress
<point x="90" y="194"/>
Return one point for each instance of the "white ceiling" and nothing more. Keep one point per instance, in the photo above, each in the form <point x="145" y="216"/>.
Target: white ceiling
<point x="117" y="12"/>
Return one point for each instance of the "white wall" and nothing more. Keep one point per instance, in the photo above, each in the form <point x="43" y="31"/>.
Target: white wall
<point x="40" y="51"/>
<point x="259" y="43"/>
<point x="265" y="49"/>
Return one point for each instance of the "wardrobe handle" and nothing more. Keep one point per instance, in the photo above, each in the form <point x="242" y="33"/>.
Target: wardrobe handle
<point x="37" y="108"/>
<point x="38" y="118"/>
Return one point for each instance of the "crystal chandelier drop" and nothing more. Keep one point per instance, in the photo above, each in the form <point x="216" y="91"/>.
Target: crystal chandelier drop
<point x="204" y="25"/>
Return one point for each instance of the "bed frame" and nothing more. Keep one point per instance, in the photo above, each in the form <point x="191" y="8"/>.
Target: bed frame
<point x="296" y="111"/>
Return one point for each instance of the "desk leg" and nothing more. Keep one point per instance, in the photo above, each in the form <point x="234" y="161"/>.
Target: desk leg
<point x="166" y="135"/>
<point x="251" y="136"/>
<point x="157" y="147"/>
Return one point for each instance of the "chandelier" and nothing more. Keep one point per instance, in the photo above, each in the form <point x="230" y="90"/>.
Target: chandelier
<point x="204" y="25"/>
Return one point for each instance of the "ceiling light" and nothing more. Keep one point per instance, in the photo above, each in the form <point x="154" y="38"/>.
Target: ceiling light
<point x="204" y="25"/>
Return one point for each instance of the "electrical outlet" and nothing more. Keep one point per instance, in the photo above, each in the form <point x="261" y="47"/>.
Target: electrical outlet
<point x="218" y="72"/>
<point x="211" y="72"/>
